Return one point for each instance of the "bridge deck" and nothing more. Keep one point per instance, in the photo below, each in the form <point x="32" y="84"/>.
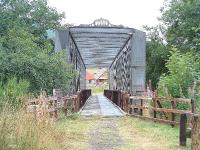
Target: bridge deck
<point x="101" y="106"/>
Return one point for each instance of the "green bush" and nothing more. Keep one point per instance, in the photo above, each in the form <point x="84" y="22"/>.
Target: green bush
<point x="183" y="78"/>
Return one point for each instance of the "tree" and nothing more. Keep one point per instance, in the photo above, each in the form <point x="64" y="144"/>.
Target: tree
<point x="179" y="27"/>
<point x="183" y="71"/>
<point x="156" y="55"/>
<point x="182" y="21"/>
<point x="25" y="52"/>
<point x="34" y="15"/>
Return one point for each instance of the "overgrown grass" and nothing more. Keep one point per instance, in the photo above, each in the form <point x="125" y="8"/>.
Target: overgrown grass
<point x="140" y="134"/>
<point x="20" y="131"/>
<point x="77" y="129"/>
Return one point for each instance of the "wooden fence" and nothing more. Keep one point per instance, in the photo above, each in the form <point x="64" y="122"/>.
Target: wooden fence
<point x="51" y="105"/>
<point x="156" y="108"/>
<point x="190" y="128"/>
<point x="138" y="105"/>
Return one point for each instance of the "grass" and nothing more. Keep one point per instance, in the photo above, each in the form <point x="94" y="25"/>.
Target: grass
<point x="96" y="90"/>
<point x="19" y="131"/>
<point x="140" y="134"/>
<point x="76" y="130"/>
<point x="136" y="133"/>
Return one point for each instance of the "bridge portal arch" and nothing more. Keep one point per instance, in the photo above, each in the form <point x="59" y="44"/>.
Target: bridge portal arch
<point x="118" y="48"/>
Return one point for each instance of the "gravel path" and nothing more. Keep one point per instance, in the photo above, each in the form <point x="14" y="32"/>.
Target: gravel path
<point x="105" y="135"/>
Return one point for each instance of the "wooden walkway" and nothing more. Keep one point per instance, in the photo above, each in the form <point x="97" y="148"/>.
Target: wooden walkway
<point x="101" y="106"/>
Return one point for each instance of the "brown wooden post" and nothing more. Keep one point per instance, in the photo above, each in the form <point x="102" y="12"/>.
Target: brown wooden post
<point x="183" y="126"/>
<point x="123" y="100"/>
<point x="78" y="101"/>
<point x="119" y="98"/>
<point x="154" y="105"/>
<point x="141" y="110"/>
<point x="56" y="108"/>
<point x="131" y="103"/>
<point x="75" y="103"/>
<point x="192" y="105"/>
<point x="196" y="132"/>
<point x="112" y="96"/>
<point x="173" y="114"/>
<point x="65" y="106"/>
<point x="127" y="102"/>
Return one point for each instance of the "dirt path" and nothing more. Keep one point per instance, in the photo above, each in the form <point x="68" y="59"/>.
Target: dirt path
<point x="123" y="133"/>
<point x="105" y="135"/>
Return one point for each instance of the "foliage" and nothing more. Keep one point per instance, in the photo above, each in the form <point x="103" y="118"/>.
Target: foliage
<point x="183" y="75"/>
<point x="180" y="75"/>
<point x="156" y="56"/>
<point x="179" y="27"/>
<point x="34" y="15"/>
<point x="181" y="18"/>
<point x="25" y="52"/>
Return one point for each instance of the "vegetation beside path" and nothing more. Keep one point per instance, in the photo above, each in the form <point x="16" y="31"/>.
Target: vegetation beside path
<point x="125" y="133"/>
<point x="20" y="131"/>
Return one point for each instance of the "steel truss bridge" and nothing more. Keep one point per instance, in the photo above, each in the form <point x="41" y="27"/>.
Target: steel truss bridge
<point x="102" y="44"/>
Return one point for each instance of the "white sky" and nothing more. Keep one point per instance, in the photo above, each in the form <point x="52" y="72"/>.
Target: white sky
<point x="131" y="13"/>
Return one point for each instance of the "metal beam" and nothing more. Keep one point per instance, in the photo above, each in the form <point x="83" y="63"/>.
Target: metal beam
<point x="98" y="36"/>
<point x="100" y="39"/>
<point x="121" y="50"/>
<point x="111" y="30"/>
<point x="114" y="42"/>
<point x="77" y="48"/>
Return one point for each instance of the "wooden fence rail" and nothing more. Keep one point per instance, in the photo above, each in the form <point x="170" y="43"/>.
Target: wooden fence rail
<point x="168" y="114"/>
<point x="137" y="105"/>
<point x="52" y="105"/>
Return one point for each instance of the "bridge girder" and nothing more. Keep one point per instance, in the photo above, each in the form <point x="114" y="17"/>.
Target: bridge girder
<point x="121" y="49"/>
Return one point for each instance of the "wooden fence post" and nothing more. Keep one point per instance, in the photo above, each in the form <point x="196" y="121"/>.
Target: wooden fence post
<point x="127" y="102"/>
<point x="196" y="132"/>
<point x="65" y="106"/>
<point x="192" y="105"/>
<point x="154" y="105"/>
<point x="183" y="126"/>
<point x="131" y="110"/>
<point x="173" y="114"/>
<point x="141" y="110"/>
<point x="55" y="108"/>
